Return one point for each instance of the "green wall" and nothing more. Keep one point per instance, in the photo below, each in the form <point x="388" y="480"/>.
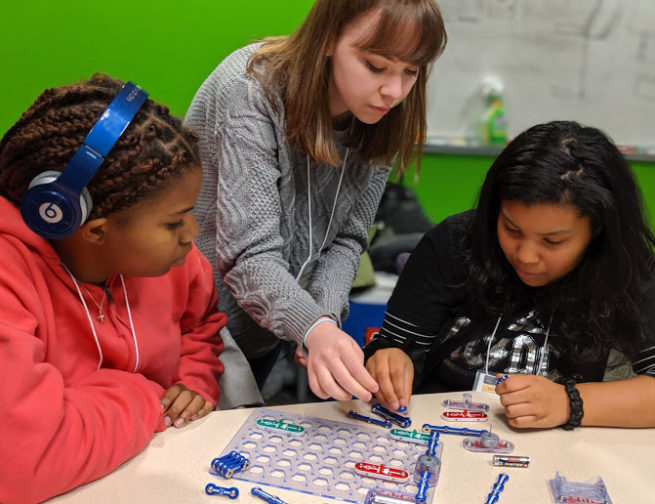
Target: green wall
<point x="169" y="47"/>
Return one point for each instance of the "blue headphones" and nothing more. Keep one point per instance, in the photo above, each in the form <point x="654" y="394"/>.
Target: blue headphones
<point x="56" y="204"/>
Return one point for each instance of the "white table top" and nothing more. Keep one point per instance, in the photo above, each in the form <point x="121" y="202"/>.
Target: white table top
<point x="173" y="468"/>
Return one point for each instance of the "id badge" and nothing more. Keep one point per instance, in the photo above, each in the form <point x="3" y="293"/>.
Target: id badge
<point x="485" y="383"/>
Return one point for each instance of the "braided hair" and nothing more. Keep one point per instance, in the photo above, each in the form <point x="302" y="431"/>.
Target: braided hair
<point x="154" y="148"/>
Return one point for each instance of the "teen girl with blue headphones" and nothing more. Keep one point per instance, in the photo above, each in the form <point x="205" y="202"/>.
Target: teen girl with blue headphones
<point x="109" y="326"/>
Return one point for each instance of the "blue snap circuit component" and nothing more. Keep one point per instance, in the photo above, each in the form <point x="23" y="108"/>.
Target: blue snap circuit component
<point x="390" y="416"/>
<point x="231" y="492"/>
<point x="368" y="419"/>
<point x="227" y="465"/>
<point x="271" y="499"/>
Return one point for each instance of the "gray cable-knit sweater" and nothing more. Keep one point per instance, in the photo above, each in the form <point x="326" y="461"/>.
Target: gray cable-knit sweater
<point x="253" y="213"/>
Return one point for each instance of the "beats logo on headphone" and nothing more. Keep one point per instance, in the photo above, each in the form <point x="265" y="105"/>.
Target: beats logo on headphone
<point x="56" y="204"/>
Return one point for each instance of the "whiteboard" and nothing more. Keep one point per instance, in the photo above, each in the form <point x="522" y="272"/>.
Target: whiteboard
<point x="592" y="61"/>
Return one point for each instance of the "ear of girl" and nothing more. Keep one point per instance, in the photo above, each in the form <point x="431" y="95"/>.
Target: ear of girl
<point x="283" y="228"/>
<point x="110" y="334"/>
<point x="550" y="272"/>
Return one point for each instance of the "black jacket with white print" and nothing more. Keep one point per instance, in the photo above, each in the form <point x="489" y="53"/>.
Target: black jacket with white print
<point x="429" y="316"/>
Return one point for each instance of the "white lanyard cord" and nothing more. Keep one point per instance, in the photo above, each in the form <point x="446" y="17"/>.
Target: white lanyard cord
<point x="88" y="315"/>
<point x="93" y="329"/>
<point x="129" y="315"/>
<point x="309" y="213"/>
<point x="336" y="197"/>
<point x="493" y="334"/>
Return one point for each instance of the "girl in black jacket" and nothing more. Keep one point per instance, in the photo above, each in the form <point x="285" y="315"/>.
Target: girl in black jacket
<point x="551" y="271"/>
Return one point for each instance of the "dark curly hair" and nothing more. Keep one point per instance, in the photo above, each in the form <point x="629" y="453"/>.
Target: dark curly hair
<point x="153" y="149"/>
<point x="597" y="306"/>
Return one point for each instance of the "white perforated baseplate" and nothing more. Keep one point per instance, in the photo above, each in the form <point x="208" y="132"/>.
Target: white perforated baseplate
<point x="321" y="460"/>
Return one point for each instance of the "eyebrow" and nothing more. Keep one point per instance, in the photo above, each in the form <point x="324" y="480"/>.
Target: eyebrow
<point x="550" y="233"/>
<point x="180" y="212"/>
<point x="392" y="58"/>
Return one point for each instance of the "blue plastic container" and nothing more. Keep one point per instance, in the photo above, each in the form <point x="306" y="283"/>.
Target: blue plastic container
<point x="365" y="318"/>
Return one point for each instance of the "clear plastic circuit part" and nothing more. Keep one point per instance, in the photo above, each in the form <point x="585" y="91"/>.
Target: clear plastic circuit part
<point x="488" y="442"/>
<point x="565" y="491"/>
<point x="466" y="403"/>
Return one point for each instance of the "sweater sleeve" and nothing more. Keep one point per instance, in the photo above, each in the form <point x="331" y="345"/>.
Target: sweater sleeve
<point x="238" y="146"/>
<point x="199" y="368"/>
<point x="56" y="436"/>
<point x="424" y="299"/>
<point x="337" y="266"/>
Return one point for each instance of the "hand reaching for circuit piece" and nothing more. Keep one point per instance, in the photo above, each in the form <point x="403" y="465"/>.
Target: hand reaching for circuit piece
<point x="394" y="372"/>
<point x="335" y="366"/>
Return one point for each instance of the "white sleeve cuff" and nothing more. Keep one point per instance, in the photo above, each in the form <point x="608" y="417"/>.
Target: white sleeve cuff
<point x="319" y="320"/>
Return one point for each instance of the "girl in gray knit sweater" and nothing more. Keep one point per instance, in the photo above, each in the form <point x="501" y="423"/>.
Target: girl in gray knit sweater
<point x="297" y="137"/>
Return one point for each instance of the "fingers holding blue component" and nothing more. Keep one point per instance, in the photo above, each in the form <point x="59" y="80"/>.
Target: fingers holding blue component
<point x="501" y="379"/>
<point x="394" y="372"/>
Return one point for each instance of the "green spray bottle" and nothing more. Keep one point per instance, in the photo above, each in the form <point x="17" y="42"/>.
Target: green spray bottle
<point x="494" y="120"/>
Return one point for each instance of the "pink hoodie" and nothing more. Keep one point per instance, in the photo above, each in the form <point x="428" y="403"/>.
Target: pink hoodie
<point x="64" y="422"/>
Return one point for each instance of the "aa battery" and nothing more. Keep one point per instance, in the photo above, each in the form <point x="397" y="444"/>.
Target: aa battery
<point x="384" y="496"/>
<point x="511" y="461"/>
<point x="382" y="499"/>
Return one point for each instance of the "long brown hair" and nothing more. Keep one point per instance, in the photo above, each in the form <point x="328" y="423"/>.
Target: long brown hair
<point x="408" y="30"/>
